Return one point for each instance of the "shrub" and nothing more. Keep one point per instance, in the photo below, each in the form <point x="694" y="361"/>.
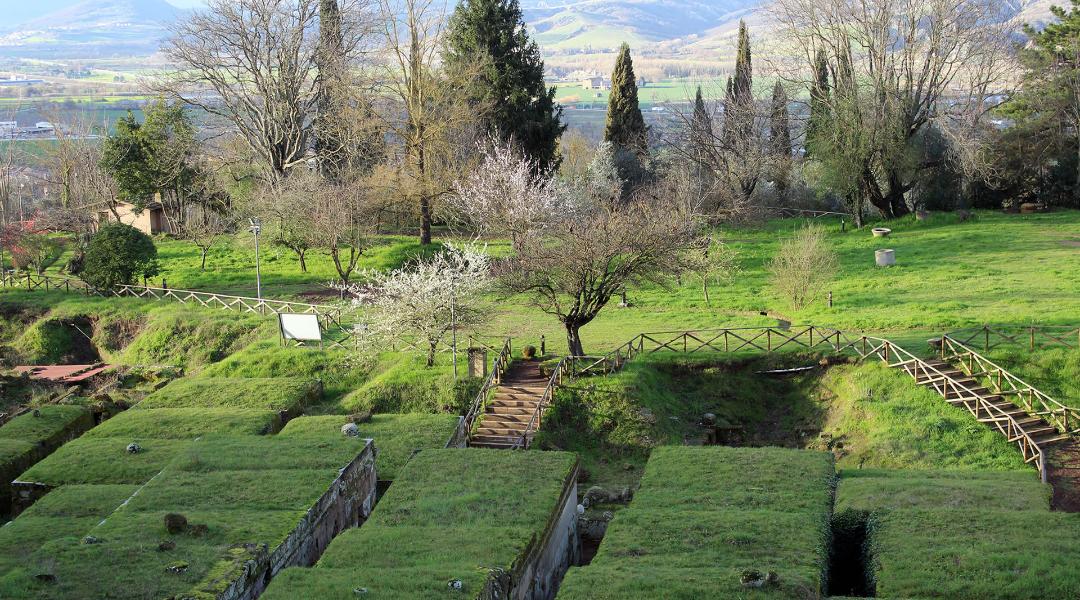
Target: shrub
<point x="528" y="352"/>
<point x="803" y="267"/>
<point x="118" y="254"/>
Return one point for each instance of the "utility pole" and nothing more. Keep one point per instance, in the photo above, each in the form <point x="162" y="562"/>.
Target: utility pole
<point x="453" y="323"/>
<point x="256" y="227"/>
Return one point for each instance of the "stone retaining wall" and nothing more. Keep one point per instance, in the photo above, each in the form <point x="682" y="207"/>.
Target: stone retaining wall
<point x="347" y="503"/>
<point x="547" y="558"/>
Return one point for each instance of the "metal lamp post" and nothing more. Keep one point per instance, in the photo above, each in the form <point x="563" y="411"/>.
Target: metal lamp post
<point x="256" y="227"/>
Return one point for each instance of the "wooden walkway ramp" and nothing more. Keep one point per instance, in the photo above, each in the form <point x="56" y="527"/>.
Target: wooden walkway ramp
<point x="508" y="416"/>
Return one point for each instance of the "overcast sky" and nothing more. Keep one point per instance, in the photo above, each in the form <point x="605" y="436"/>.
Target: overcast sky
<point x="186" y="3"/>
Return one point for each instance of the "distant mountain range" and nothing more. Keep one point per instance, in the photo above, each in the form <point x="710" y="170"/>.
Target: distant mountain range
<point x="88" y="28"/>
<point x="113" y="28"/>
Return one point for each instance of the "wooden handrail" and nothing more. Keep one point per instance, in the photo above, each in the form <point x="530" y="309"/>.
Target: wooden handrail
<point x="1030" y="337"/>
<point x="1065" y="419"/>
<point x="494" y="377"/>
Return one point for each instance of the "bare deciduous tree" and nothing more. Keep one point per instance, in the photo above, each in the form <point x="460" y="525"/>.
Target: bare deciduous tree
<point x="437" y="122"/>
<point x="803" y="266"/>
<point x="256" y="64"/>
<point x="896" y="65"/>
<point x="712" y="261"/>
<point x="574" y="268"/>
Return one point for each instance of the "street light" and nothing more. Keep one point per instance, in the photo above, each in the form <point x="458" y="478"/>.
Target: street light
<point x="256" y="227"/>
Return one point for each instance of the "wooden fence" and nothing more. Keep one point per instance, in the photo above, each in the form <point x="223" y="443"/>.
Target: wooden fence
<point x="494" y="377"/>
<point x="771" y="339"/>
<point x="1034" y="337"/>
<point x="1065" y="419"/>
<point x="34" y="282"/>
<point x="330" y="315"/>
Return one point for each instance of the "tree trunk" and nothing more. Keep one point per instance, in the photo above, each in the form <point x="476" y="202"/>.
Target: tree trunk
<point x="202" y="267"/>
<point x="432" y="345"/>
<point x="303" y="263"/>
<point x="573" y="339"/>
<point x="425" y="201"/>
<point x="705" y="289"/>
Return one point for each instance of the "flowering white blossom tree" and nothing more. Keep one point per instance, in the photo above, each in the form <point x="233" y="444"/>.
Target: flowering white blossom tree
<point x="507" y="195"/>
<point x="428" y="299"/>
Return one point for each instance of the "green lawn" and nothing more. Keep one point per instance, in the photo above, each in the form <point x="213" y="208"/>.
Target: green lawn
<point x="397" y="437"/>
<point x="245" y="490"/>
<point x="703" y="517"/>
<point x="450" y="514"/>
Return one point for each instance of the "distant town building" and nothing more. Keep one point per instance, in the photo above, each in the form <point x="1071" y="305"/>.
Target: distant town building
<point x="19" y="80"/>
<point x="150" y="220"/>
<point x="596" y="83"/>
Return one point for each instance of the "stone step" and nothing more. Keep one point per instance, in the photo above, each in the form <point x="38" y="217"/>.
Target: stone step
<point x="501" y="431"/>
<point x="494" y="441"/>
<point x="522" y="417"/>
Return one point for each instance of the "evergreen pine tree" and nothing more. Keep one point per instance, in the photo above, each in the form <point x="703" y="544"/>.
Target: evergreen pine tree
<point x="511" y="82"/>
<point x="819" y="104"/>
<point x="625" y="125"/>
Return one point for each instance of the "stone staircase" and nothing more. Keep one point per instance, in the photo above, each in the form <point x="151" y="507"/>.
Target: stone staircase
<point x="508" y="414"/>
<point x="1043" y="433"/>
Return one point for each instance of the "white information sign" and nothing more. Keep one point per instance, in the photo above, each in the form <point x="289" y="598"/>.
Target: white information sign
<point x="303" y="328"/>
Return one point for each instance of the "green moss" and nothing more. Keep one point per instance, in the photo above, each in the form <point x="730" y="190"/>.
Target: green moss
<point x="883" y="420"/>
<point x="81" y="501"/>
<point x="450" y="514"/>
<point x="190" y="337"/>
<point x="47" y="341"/>
<point x="405" y="385"/>
<point x="884" y="490"/>
<point x="256" y="453"/>
<point x="709" y="514"/>
<point x="397" y="437"/>
<point x="105" y="460"/>
<point x="292" y="489"/>
<point x="975" y="554"/>
<point x="339" y="370"/>
<point x="277" y="393"/>
<point x="50" y="421"/>
<point x="187" y="423"/>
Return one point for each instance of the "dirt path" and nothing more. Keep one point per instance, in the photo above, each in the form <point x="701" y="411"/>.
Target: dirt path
<point x="1064" y="475"/>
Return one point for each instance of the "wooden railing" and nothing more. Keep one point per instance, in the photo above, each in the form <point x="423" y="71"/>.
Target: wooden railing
<point x="1031" y="337"/>
<point x="331" y="314"/>
<point x="949" y="388"/>
<point x="771" y="339"/>
<point x="494" y="377"/>
<point x="33" y="281"/>
<point x="1065" y="419"/>
<point x="727" y="340"/>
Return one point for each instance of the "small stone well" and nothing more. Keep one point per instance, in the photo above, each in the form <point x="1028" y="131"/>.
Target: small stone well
<point x="885" y="257"/>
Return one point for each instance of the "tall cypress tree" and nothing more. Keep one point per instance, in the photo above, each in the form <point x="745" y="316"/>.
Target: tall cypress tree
<point x="511" y="82"/>
<point x="328" y="144"/>
<point x="700" y="124"/>
<point x="779" y="123"/>
<point x="625" y="125"/>
<point x="701" y="134"/>
<point x="780" y="138"/>
<point x="744" y="77"/>
<point x="741" y="107"/>
<point x="819" y="103"/>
